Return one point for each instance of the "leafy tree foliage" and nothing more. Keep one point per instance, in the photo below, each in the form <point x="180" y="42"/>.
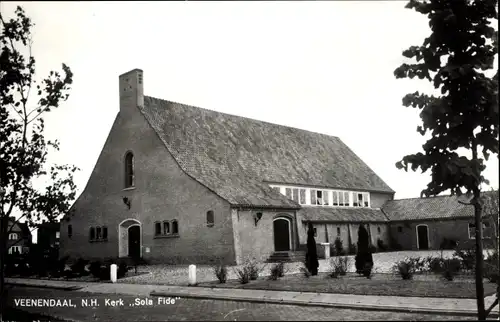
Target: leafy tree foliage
<point x="455" y="57"/>
<point x="23" y="147"/>
<point x="364" y="257"/>
<point x="312" y="262"/>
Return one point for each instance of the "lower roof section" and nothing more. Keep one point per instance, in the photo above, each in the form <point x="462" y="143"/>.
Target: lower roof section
<point x="348" y="215"/>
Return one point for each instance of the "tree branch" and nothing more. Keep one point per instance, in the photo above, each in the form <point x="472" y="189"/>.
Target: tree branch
<point x="492" y="306"/>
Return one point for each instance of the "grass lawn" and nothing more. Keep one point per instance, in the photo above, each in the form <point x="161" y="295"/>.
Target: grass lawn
<point x="363" y="286"/>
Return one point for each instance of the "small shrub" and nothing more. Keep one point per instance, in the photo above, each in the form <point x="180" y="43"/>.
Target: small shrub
<point x="435" y="264"/>
<point x="277" y="271"/>
<point x="467" y="256"/>
<point x="78" y="267"/>
<point x="105" y="273"/>
<point x="220" y="271"/>
<point x="491" y="269"/>
<point x="339" y="266"/>
<point x="451" y="267"/>
<point x="122" y="270"/>
<point x="95" y="269"/>
<point x="381" y="246"/>
<point x="339" y="247"/>
<point x="352" y="249"/>
<point x="405" y="268"/>
<point x="253" y="269"/>
<point x="367" y="270"/>
<point x="243" y="275"/>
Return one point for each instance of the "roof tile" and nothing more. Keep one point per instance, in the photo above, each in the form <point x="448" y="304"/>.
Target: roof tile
<point x="234" y="156"/>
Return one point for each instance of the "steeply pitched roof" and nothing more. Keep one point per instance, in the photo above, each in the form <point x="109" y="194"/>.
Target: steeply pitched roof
<point x="343" y="214"/>
<point x="440" y="207"/>
<point x="234" y="156"/>
<point x="25" y="229"/>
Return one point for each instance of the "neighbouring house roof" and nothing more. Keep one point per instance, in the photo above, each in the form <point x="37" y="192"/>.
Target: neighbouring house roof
<point x="319" y="214"/>
<point x="439" y="207"/>
<point x="234" y="156"/>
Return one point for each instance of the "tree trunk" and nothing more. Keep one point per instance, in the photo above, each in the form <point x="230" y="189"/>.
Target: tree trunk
<point x="3" y="250"/>
<point x="481" y="312"/>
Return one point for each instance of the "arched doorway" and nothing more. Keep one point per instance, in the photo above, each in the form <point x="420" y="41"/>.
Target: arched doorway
<point x="130" y="238"/>
<point x="282" y="229"/>
<point x="422" y="237"/>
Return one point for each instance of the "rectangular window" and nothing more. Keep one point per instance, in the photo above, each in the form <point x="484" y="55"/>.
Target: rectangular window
<point x="166" y="228"/>
<point x="319" y="197"/>
<point x="175" y="227"/>
<point x="210" y="218"/>
<point x="302" y="199"/>
<point x="338" y="231"/>
<point x="70" y="231"/>
<point x="98" y="233"/>
<point x="15" y="250"/>
<point x="157" y="228"/>
<point x="58" y="234"/>
<point x="295" y="195"/>
<point x="346" y="199"/>
<point x="104" y="233"/>
<point x="335" y="200"/>
<point x="288" y="193"/>
<point x="365" y="199"/>
<point x="472" y="231"/>
<point x="313" y="197"/>
<point x="326" y="199"/>
<point x="341" y="199"/>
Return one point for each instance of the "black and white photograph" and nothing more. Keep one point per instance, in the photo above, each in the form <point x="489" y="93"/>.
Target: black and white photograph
<point x="249" y="160"/>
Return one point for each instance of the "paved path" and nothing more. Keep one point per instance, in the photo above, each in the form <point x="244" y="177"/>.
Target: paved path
<point x="367" y="302"/>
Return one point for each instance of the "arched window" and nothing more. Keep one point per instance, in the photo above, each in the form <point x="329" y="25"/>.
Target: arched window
<point x="175" y="227"/>
<point x="210" y="218"/>
<point x="129" y="170"/>
<point x="92" y="233"/>
<point x="70" y="231"/>
<point x="13" y="236"/>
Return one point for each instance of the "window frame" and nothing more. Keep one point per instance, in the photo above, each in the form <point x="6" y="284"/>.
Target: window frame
<point x="129" y="172"/>
<point x="175" y="224"/>
<point x="474" y="225"/>
<point x="311" y="196"/>
<point x="158" y="224"/>
<point x="210" y="218"/>
<point x="92" y="234"/>
<point x="167" y="231"/>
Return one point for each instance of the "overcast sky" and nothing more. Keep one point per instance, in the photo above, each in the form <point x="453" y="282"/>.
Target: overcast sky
<point x="321" y="66"/>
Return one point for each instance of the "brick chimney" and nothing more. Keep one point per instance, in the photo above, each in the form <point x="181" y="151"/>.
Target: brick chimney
<point x="131" y="90"/>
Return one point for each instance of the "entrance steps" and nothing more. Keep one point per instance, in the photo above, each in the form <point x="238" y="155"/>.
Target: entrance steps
<point x="287" y="257"/>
